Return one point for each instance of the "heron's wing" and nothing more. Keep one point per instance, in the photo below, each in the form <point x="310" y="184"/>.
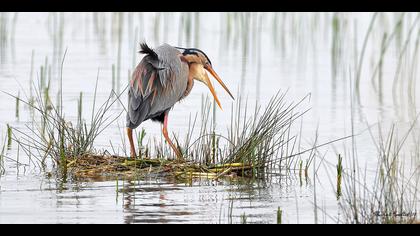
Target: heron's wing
<point x="138" y="109"/>
<point x="158" y="82"/>
<point x="155" y="72"/>
<point x="144" y="87"/>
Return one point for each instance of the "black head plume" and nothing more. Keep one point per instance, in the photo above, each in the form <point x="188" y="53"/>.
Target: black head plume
<point x="193" y="51"/>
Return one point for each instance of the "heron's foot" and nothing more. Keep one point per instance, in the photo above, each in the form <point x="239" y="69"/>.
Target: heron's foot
<point x="179" y="156"/>
<point x="130" y="139"/>
<point x="178" y="151"/>
<point x="133" y="154"/>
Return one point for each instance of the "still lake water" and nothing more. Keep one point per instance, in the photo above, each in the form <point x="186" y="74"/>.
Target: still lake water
<point x="256" y="54"/>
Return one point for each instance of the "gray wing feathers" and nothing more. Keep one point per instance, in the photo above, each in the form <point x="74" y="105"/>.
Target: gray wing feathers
<point x="169" y="62"/>
<point x="157" y="84"/>
<point x="136" y="116"/>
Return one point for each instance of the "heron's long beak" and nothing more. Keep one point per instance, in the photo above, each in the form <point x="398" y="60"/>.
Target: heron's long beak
<point x="213" y="92"/>
<point x="214" y="74"/>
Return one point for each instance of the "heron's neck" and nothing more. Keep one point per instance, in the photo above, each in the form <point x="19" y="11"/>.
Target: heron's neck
<point x="190" y="85"/>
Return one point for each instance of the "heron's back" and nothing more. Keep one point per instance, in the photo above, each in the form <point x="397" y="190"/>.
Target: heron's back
<point x="158" y="82"/>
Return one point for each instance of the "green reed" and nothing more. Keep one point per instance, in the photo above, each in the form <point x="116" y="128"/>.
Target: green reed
<point x="9" y="136"/>
<point x="339" y="175"/>
<point x="17" y="106"/>
<point x="403" y="52"/>
<point x="362" y="53"/>
<point x="120" y="33"/>
<point x="80" y="109"/>
<point x="114" y="81"/>
<point x="336" y="40"/>
<point x="140" y="139"/>
<point x="279" y="215"/>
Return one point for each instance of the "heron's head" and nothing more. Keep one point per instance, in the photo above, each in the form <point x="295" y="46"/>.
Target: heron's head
<point x="199" y="64"/>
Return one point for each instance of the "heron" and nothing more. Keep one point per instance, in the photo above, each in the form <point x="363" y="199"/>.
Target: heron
<point x="164" y="76"/>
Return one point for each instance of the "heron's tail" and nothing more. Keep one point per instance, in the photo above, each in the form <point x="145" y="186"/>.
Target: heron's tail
<point x="145" y="49"/>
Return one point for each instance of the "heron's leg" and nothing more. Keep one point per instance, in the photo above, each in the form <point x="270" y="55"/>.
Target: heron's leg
<point x="130" y="139"/>
<point x="165" y="134"/>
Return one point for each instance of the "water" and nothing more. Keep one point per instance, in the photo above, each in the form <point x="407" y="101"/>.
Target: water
<point x="255" y="54"/>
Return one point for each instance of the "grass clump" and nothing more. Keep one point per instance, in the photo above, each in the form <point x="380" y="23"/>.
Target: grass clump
<point x="51" y="136"/>
<point x="61" y="140"/>
<point x="392" y="197"/>
<point x="265" y="140"/>
<point x="261" y="141"/>
<point x="254" y="144"/>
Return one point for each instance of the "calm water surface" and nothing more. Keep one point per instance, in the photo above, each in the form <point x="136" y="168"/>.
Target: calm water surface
<point x="256" y="54"/>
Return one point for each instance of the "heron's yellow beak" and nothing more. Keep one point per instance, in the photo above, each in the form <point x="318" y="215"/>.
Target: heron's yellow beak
<point x="197" y="72"/>
<point x="206" y="80"/>
<point x="214" y="74"/>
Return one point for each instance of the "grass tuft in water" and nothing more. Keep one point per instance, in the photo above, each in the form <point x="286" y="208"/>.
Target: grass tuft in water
<point x="56" y="137"/>
<point x="393" y="195"/>
<point x="258" y="140"/>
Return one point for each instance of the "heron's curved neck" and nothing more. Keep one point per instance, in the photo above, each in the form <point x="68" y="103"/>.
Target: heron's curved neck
<point x="190" y="85"/>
